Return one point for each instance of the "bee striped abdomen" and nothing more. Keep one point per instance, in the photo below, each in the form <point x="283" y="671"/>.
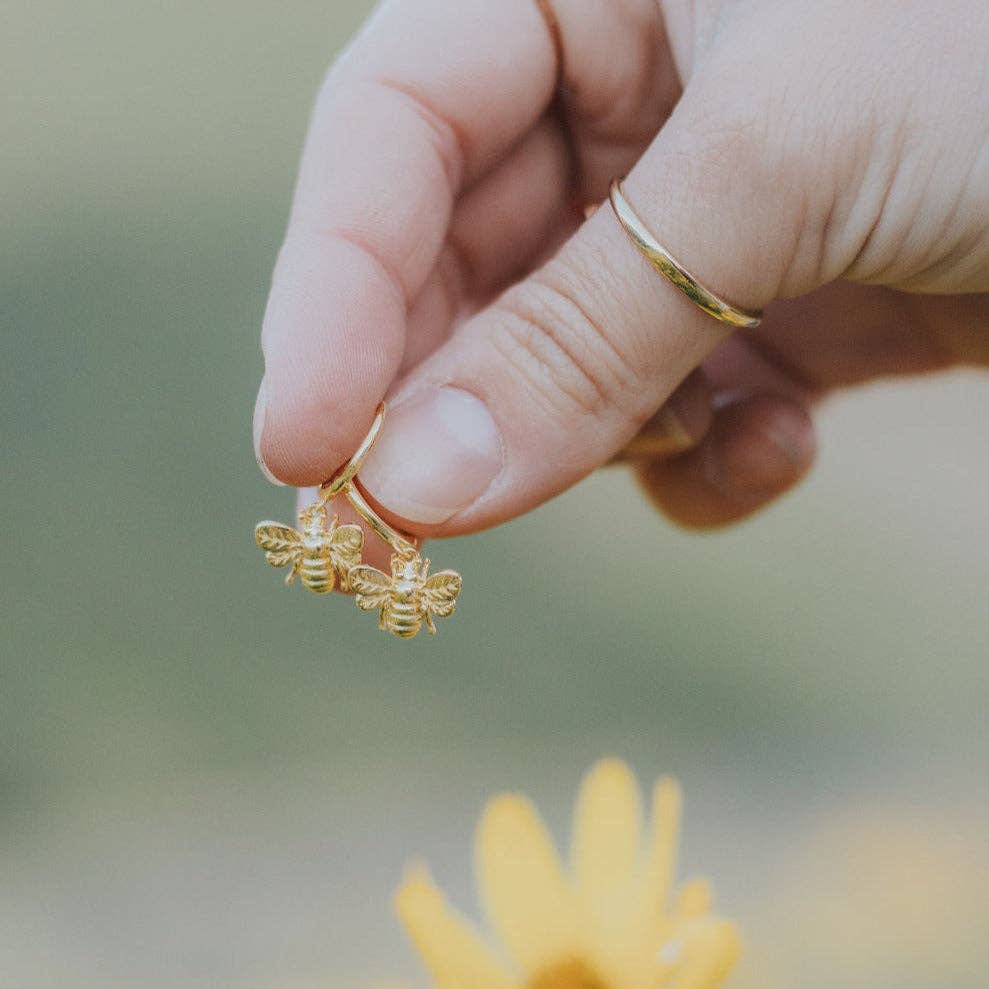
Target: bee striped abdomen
<point x="404" y="618"/>
<point x="317" y="572"/>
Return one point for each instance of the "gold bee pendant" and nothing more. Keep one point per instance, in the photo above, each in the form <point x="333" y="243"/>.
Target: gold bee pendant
<point x="326" y="555"/>
<point x="320" y="553"/>
<point x="408" y="598"/>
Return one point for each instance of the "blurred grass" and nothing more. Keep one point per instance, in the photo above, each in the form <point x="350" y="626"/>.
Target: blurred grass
<point x="168" y="709"/>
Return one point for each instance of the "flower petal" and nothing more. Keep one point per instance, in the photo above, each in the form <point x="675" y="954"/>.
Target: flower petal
<point x="607" y="832"/>
<point x="667" y="806"/>
<point x="709" y="952"/>
<point x="449" y="945"/>
<point x="694" y="899"/>
<point x="527" y="898"/>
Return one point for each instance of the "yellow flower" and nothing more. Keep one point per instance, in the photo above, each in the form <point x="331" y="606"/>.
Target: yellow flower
<point x="610" y="924"/>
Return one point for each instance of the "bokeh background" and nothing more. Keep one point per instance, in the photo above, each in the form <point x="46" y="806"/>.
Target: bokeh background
<point x="208" y="781"/>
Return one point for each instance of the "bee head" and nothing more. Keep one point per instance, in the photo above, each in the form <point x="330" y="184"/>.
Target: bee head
<point x="407" y="568"/>
<point x="313" y="518"/>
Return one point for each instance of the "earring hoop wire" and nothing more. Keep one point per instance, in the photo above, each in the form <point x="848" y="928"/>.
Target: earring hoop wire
<point x="403" y="545"/>
<point x="344" y="482"/>
<point x="328" y="490"/>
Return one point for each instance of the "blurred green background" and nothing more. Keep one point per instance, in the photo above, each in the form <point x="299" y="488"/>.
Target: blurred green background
<point x="209" y="781"/>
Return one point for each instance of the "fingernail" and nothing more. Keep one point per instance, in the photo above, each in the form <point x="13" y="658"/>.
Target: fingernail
<point x="678" y="426"/>
<point x="438" y="452"/>
<point x="771" y="451"/>
<point x="260" y="409"/>
<point x="663" y="436"/>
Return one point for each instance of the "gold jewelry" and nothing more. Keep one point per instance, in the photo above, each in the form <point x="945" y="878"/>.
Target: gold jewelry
<point x="666" y="264"/>
<point x="328" y="490"/>
<point x="324" y="552"/>
<point x="403" y="545"/>
<point x="408" y="598"/>
<point x="321" y="551"/>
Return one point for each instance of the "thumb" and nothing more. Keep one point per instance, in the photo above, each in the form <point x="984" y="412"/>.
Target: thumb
<point x="562" y="371"/>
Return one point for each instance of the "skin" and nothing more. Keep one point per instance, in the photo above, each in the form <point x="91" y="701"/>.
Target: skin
<point x="828" y="162"/>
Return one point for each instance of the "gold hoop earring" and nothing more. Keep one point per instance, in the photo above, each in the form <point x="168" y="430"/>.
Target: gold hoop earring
<point x="408" y="598"/>
<point x="321" y="551"/>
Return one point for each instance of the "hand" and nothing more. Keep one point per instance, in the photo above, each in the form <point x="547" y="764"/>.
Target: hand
<point x="832" y="155"/>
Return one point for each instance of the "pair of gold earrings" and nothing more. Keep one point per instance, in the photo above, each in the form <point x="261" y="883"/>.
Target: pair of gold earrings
<point x="325" y="554"/>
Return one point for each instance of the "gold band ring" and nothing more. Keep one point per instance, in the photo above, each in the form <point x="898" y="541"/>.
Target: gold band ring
<point x="667" y="265"/>
<point x="328" y="490"/>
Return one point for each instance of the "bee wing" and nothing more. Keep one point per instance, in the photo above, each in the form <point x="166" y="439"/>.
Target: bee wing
<point x="439" y="593"/>
<point x="346" y="544"/>
<point x="282" y="545"/>
<point x="372" y="587"/>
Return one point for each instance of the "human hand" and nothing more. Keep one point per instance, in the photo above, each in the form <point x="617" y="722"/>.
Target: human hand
<point x="835" y="156"/>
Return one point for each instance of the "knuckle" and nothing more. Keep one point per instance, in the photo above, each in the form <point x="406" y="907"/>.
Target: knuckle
<point x="561" y="345"/>
<point x="625" y="99"/>
<point x="728" y="144"/>
<point x="446" y="135"/>
<point x="749" y="159"/>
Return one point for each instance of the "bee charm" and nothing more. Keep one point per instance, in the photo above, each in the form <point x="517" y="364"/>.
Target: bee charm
<point x="320" y="554"/>
<point x="409" y="598"/>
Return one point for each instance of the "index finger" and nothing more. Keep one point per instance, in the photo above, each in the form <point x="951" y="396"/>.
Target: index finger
<point x="427" y="99"/>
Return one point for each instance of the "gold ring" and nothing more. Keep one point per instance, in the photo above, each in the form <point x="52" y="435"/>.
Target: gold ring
<point x="328" y="490"/>
<point x="664" y="262"/>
